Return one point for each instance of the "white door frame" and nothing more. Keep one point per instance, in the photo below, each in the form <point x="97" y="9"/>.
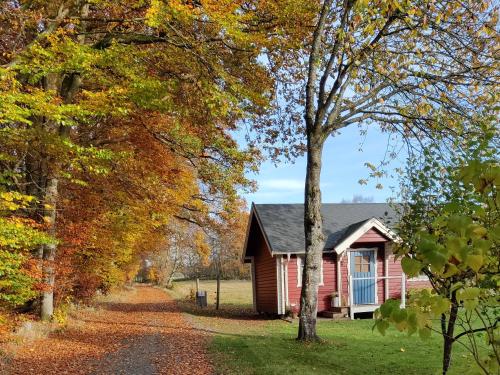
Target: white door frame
<point x="349" y="273"/>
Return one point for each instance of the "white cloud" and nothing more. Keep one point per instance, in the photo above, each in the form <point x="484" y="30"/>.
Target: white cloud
<point x="280" y="190"/>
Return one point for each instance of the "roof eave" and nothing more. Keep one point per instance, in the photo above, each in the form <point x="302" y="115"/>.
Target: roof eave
<point x="253" y="212"/>
<point x="372" y="223"/>
<point x="264" y="234"/>
<point x="249" y="224"/>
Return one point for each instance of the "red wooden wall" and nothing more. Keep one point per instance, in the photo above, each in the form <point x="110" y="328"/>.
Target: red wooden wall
<point x="265" y="279"/>
<point x="329" y="282"/>
<point x="372" y="235"/>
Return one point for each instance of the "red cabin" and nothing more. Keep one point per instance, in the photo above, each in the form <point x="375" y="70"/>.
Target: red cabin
<point x="358" y="270"/>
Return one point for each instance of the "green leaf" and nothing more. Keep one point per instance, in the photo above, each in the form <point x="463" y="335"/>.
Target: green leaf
<point x="382" y="326"/>
<point x="450" y="270"/>
<point x="440" y="305"/>
<point x="454" y="245"/>
<point x="412" y="322"/>
<point x="459" y="223"/>
<point x="399" y="315"/>
<point x="456" y="286"/>
<point x="475" y="262"/>
<point x="424" y="333"/>
<point x="482" y="246"/>
<point x="387" y="307"/>
<point x="436" y="259"/>
<point x="411" y="267"/>
<point x="468" y="293"/>
<point x="476" y="231"/>
<point x="469" y="297"/>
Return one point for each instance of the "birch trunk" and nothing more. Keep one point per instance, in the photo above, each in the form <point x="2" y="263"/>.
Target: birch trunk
<point x="314" y="241"/>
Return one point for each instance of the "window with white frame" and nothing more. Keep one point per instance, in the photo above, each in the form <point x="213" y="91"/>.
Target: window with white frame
<point x="300" y="269"/>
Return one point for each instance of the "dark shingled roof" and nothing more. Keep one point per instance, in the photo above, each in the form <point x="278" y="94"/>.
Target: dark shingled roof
<point x="283" y="224"/>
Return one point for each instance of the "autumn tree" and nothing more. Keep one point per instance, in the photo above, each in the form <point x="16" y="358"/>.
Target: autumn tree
<point x="449" y="231"/>
<point x="418" y="68"/>
<point x="215" y="254"/>
<point x="178" y="244"/>
<point x="18" y="237"/>
<point x="74" y="72"/>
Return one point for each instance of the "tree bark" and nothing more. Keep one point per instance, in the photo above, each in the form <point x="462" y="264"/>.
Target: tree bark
<point x="314" y="240"/>
<point x="449" y="338"/>
<point x="49" y="251"/>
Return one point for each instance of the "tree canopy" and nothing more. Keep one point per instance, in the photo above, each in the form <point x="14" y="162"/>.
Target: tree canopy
<point x="116" y="120"/>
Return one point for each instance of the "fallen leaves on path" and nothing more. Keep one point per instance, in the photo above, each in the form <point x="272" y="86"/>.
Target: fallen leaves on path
<point x="144" y="334"/>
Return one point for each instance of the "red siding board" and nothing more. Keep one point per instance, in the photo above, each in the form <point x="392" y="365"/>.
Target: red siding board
<point x="344" y="278"/>
<point x="266" y="293"/>
<point x="372" y="235"/>
<point x="324" y="292"/>
<point x="265" y="280"/>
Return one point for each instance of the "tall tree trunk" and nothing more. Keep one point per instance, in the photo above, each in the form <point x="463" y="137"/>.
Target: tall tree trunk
<point x="449" y="337"/>
<point x="48" y="200"/>
<point x="314" y="240"/>
<point x="67" y="86"/>
<point x="49" y="251"/>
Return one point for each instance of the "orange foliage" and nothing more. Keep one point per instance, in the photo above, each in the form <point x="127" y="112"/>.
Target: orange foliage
<point x="112" y="219"/>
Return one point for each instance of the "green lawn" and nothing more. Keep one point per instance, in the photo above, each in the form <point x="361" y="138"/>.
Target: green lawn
<point x="247" y="344"/>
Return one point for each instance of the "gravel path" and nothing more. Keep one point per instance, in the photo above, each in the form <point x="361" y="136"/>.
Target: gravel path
<point x="143" y="334"/>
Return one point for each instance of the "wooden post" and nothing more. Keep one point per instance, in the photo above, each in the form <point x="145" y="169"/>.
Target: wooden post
<point x="197" y="285"/>
<point x="339" y="279"/>
<point x="217" y="297"/>
<point x="386" y="272"/>
<point x="351" y="298"/>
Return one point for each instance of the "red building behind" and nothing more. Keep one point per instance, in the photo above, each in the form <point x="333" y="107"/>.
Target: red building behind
<point x="358" y="265"/>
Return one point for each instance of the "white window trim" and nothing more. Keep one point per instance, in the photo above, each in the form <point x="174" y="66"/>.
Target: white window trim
<point x="299" y="272"/>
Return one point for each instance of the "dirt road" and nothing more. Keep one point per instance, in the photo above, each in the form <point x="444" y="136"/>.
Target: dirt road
<point x="142" y="334"/>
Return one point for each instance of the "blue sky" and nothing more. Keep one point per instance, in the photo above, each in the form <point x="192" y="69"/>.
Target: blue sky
<point x="344" y="159"/>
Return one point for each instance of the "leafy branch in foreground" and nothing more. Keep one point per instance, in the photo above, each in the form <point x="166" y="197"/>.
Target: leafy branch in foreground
<point x="450" y="231"/>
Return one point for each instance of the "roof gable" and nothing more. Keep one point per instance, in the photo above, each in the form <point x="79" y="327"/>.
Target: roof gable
<point x="359" y="229"/>
<point x="283" y="224"/>
<point x="255" y="235"/>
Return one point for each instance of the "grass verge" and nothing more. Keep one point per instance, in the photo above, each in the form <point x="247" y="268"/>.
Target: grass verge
<point x="244" y="343"/>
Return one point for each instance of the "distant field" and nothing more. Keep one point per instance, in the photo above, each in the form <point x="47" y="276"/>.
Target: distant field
<point x="232" y="292"/>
